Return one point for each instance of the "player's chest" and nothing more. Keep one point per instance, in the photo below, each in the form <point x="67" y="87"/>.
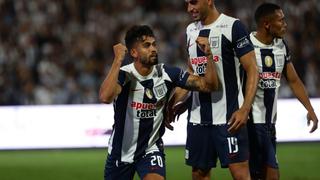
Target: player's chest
<point x="216" y="39"/>
<point x="147" y="98"/>
<point x="152" y="90"/>
<point x="272" y="60"/>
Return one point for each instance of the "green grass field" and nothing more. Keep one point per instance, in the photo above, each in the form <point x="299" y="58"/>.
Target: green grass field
<point x="298" y="161"/>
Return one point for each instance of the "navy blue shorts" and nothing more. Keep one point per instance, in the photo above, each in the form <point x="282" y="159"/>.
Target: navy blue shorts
<point x="262" y="146"/>
<point x="150" y="163"/>
<point x="206" y="143"/>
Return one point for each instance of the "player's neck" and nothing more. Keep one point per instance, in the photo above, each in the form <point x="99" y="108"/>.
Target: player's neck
<point x="213" y="15"/>
<point x="143" y="70"/>
<point x="265" y="38"/>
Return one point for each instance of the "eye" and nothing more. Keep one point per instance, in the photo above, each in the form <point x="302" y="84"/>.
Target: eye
<point x="192" y="2"/>
<point x="146" y="45"/>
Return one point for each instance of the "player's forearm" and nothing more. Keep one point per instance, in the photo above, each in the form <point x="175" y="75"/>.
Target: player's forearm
<point x="211" y="77"/>
<point x="301" y="93"/>
<point x="179" y="95"/>
<point x="108" y="90"/>
<point x="250" y="87"/>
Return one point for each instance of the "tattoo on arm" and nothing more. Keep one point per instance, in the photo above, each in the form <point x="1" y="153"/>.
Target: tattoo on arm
<point x="195" y="83"/>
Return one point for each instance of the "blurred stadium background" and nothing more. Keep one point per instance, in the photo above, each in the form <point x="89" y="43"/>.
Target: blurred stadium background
<point x="58" y="51"/>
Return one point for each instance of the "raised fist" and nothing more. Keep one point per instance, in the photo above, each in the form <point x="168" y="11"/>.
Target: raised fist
<point x="120" y="51"/>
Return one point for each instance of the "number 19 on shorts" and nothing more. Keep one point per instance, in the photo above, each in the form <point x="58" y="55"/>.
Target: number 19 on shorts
<point x="233" y="145"/>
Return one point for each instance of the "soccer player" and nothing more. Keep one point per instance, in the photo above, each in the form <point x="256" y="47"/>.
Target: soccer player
<point x="217" y="120"/>
<point x="273" y="61"/>
<point x="139" y="92"/>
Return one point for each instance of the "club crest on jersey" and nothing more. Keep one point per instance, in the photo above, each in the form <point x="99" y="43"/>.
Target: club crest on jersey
<point x="214" y="42"/>
<point x="160" y="90"/>
<point x="280" y="60"/>
<point x="149" y="93"/>
<point x="268" y="61"/>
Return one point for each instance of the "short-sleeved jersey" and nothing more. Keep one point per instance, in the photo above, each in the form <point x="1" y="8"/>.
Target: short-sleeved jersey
<point x="139" y="110"/>
<point x="271" y="61"/>
<point x="229" y="41"/>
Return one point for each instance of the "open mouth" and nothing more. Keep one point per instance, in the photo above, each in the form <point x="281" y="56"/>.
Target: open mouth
<point x="194" y="14"/>
<point x="154" y="56"/>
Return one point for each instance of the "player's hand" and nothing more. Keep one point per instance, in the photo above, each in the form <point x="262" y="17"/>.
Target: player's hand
<point x="169" y="118"/>
<point x="120" y="51"/>
<point x="238" y="119"/>
<point x="173" y="113"/>
<point x="204" y="45"/>
<point x="311" y="116"/>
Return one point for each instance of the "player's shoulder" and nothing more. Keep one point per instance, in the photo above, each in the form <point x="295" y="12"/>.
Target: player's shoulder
<point x="227" y="25"/>
<point x="166" y="68"/>
<point x="228" y="20"/>
<point x="192" y="27"/>
<point x="170" y="70"/>
<point x="127" y="68"/>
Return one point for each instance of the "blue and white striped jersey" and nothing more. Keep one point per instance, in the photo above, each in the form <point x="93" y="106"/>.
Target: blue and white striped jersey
<point x="229" y="41"/>
<point x="139" y="110"/>
<point x="271" y="61"/>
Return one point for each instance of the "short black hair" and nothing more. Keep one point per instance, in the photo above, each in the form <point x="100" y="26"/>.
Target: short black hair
<point x="136" y="33"/>
<point x="264" y="10"/>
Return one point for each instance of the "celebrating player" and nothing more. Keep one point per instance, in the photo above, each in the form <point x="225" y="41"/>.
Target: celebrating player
<point x="139" y="92"/>
<point x="216" y="127"/>
<point x="273" y="60"/>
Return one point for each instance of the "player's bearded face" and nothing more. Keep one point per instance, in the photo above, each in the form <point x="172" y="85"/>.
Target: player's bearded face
<point x="278" y="25"/>
<point x="148" y="52"/>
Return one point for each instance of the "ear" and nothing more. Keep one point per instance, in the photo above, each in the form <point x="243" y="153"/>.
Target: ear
<point x="134" y="53"/>
<point x="266" y="25"/>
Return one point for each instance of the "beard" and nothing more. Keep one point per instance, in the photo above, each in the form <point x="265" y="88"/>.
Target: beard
<point x="151" y="60"/>
<point x="278" y="33"/>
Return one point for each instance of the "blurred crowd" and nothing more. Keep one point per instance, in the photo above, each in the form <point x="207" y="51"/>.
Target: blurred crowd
<point x="59" y="51"/>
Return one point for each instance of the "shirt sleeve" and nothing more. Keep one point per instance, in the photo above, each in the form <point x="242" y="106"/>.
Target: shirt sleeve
<point x="287" y="56"/>
<point x="122" y="78"/>
<point x="178" y="76"/>
<point x="240" y="39"/>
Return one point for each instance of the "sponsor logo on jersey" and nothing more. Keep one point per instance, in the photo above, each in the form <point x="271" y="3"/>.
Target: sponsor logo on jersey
<point x="268" y="61"/>
<point x="270" y="75"/>
<point x="144" y="110"/>
<point x="182" y="74"/>
<point x="243" y="42"/>
<point x="190" y="44"/>
<point x="144" y="106"/>
<point x="267" y="83"/>
<point x="216" y="58"/>
<point x="199" y="60"/>
<point x="147" y="113"/>
<point x="222" y="26"/>
<point x="201" y="63"/>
